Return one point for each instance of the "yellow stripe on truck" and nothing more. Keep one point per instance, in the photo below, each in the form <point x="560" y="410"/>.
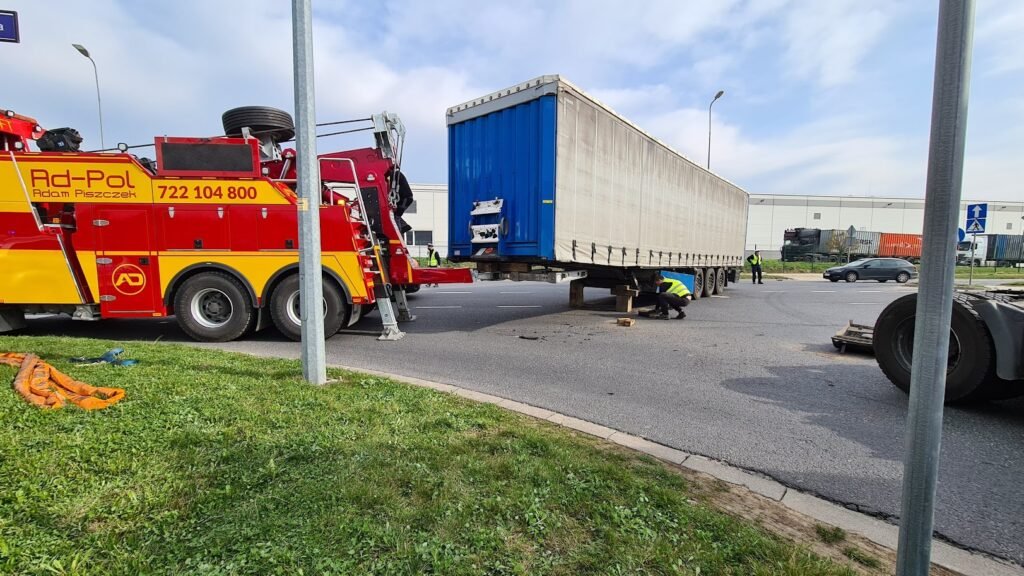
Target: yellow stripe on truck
<point x="36" y="277"/>
<point x="258" y="267"/>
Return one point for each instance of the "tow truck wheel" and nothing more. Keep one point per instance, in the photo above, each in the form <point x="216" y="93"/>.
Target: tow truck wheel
<point x="213" y="307"/>
<point x="285" y="308"/>
<point x="262" y="119"/>
<point x="970" y="360"/>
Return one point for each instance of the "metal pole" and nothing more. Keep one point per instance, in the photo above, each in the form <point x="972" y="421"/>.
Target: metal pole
<point x="974" y="245"/>
<point x="935" y="296"/>
<point x="713" y="100"/>
<point x="314" y="366"/>
<point x="1020" y="251"/>
<point x="99" y="103"/>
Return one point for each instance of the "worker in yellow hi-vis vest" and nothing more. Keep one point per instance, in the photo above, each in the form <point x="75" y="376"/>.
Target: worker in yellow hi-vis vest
<point x="433" y="258"/>
<point x="755" y="261"/>
<point x="671" y="293"/>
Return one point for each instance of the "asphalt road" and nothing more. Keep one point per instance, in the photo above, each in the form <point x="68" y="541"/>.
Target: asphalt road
<point x="750" y="378"/>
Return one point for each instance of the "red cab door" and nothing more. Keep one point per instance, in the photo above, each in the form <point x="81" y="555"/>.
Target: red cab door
<point x="128" y="274"/>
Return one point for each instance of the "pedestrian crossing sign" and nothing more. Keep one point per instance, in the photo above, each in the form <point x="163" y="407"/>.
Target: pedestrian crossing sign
<point x="975" y="226"/>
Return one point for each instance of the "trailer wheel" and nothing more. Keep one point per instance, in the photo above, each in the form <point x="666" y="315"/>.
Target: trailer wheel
<point x="709" y="282"/>
<point x="698" y="283"/>
<point x="285" y="308"/>
<point x="970" y="358"/>
<point x="213" y="307"/>
<point x="262" y="119"/>
<point x="719" y="280"/>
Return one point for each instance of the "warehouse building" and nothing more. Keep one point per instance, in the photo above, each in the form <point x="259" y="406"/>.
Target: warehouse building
<point x="769" y="217"/>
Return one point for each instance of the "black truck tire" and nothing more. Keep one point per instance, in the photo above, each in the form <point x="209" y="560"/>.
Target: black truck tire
<point x="971" y="357"/>
<point x="213" y="307"/>
<point x="709" y="282"/>
<point x="698" y="283"/>
<point x="284" y="308"/>
<point x="719" y="280"/>
<point x="261" y="119"/>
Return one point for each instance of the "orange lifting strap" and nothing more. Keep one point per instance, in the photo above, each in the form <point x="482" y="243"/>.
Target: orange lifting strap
<point x="46" y="387"/>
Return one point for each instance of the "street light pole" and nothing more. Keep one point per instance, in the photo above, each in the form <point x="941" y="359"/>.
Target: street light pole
<point x="1020" y="251"/>
<point x="717" y="96"/>
<point x="935" y="294"/>
<point x="99" y="103"/>
<point x="314" y="355"/>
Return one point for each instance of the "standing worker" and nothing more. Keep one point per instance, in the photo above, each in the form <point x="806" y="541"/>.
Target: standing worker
<point x="671" y="293"/>
<point x="755" y="266"/>
<point x="433" y="258"/>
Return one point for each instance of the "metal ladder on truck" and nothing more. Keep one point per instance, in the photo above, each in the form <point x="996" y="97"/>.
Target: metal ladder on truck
<point x="382" y="285"/>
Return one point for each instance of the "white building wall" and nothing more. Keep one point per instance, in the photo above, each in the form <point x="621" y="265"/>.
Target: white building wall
<point x="769" y="216"/>
<point x="431" y="215"/>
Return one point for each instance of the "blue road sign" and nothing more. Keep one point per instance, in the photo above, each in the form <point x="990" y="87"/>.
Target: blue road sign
<point x="9" y="26"/>
<point x="976" y="216"/>
<point x="961" y="234"/>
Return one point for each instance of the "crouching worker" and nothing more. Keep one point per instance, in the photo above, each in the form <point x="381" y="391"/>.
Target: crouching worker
<point x="671" y="294"/>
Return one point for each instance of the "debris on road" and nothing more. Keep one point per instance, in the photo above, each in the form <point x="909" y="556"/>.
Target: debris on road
<point x="854" y="337"/>
<point x="627" y="322"/>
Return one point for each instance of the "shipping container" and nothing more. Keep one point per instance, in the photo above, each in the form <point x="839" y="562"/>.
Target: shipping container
<point x="892" y="245"/>
<point x="545" y="175"/>
<point x="1005" y="248"/>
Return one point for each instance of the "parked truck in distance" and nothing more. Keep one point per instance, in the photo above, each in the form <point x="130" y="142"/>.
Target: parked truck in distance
<point x="998" y="250"/>
<point x="815" y="245"/>
<point x="546" y="183"/>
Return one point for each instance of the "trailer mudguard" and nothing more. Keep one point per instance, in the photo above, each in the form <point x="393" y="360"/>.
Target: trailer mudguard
<point x="1006" y="324"/>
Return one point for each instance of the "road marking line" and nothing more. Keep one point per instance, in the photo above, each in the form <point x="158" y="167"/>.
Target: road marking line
<point x="773" y="291"/>
<point x="717" y="296"/>
<point x="507" y="306"/>
<point x="515" y="292"/>
<point x="823" y="291"/>
<point x="869" y="291"/>
<point x="864" y="303"/>
<point x="429" y="307"/>
<point x="452" y="292"/>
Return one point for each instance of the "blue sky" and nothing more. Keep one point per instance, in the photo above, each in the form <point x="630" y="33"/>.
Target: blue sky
<point x="821" y="97"/>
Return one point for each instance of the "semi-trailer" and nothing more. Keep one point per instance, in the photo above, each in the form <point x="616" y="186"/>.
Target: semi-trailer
<point x="547" y="183"/>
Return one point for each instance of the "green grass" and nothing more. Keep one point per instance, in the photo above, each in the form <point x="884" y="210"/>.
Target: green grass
<point x="861" y="558"/>
<point x="218" y="463"/>
<point x="830" y="534"/>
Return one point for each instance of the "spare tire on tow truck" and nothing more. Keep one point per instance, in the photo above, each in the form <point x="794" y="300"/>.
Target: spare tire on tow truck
<point x="971" y="369"/>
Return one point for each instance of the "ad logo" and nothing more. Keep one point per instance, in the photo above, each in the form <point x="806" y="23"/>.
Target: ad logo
<point x="128" y="279"/>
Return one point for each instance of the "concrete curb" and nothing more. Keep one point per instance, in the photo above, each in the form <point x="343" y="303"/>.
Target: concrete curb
<point x="874" y="529"/>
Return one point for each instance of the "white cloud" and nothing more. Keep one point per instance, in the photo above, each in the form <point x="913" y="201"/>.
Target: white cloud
<point x="798" y="117"/>
<point x="827" y="40"/>
<point x="999" y="32"/>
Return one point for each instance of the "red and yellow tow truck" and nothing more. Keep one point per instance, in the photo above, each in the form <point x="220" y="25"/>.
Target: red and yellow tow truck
<point x="208" y="232"/>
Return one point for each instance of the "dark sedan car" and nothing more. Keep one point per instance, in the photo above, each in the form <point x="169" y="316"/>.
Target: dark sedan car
<point x="881" y="269"/>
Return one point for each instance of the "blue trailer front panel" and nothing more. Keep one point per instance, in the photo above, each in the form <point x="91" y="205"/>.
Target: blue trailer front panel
<point x="508" y="154"/>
